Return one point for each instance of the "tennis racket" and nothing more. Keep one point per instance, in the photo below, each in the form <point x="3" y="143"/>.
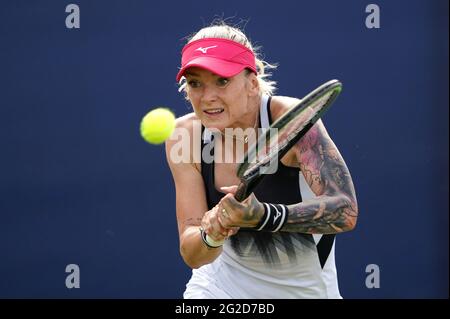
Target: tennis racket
<point x="291" y="127"/>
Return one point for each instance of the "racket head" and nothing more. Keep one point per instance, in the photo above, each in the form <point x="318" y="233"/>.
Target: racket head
<point x="275" y="142"/>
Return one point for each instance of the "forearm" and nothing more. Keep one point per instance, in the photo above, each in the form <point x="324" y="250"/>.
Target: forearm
<point x="194" y="251"/>
<point x="335" y="208"/>
<point x="322" y="215"/>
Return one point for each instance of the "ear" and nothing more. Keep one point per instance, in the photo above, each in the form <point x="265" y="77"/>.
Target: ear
<point x="253" y="84"/>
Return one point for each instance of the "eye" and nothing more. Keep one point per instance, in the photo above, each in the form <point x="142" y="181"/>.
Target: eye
<point x="221" y="82"/>
<point x="193" y="83"/>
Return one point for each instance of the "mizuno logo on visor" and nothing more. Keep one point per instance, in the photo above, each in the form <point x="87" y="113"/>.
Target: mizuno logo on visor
<point x="204" y="50"/>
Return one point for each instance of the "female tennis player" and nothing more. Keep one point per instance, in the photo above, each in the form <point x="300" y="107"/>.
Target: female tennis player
<point x="274" y="244"/>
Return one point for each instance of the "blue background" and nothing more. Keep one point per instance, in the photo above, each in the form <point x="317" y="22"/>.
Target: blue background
<point x="79" y="185"/>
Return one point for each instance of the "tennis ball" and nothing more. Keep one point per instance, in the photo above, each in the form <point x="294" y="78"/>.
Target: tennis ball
<point x="157" y="125"/>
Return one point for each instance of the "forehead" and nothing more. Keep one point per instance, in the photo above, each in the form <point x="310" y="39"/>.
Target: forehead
<point x="199" y="72"/>
<point x="205" y="74"/>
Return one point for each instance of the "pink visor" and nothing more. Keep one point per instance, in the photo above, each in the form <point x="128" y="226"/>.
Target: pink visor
<point x="221" y="56"/>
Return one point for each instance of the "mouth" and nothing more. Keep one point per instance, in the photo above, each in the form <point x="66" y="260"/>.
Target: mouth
<point x="213" y="112"/>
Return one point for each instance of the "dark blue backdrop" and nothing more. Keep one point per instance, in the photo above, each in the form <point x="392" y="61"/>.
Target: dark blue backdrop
<point x="78" y="184"/>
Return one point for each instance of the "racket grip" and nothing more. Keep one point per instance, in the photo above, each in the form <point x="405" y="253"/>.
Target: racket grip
<point x="241" y="192"/>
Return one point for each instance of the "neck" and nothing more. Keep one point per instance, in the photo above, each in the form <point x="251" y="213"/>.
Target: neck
<point x="247" y="126"/>
<point x="249" y="119"/>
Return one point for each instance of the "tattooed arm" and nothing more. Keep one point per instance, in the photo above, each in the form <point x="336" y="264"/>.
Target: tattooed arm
<point x="335" y="208"/>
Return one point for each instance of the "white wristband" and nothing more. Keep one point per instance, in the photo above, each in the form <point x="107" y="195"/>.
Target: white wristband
<point x="214" y="243"/>
<point x="209" y="241"/>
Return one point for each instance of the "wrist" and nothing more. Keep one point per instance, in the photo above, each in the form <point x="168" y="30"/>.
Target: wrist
<point x="274" y="217"/>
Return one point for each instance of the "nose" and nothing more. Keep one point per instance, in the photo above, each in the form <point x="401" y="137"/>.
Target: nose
<point x="209" y="94"/>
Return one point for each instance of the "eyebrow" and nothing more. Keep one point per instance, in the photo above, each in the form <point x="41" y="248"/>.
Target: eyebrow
<point x="191" y="73"/>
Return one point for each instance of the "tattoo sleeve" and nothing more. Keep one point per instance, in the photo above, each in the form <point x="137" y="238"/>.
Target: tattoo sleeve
<point x="334" y="209"/>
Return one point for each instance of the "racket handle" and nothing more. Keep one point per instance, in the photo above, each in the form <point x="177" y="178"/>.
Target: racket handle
<point x="241" y="192"/>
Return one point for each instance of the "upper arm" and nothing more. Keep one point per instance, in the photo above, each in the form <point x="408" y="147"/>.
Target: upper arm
<point x="317" y="156"/>
<point x="189" y="187"/>
<point x="322" y="165"/>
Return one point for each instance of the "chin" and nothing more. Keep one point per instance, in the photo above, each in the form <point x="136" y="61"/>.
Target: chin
<point x="214" y="124"/>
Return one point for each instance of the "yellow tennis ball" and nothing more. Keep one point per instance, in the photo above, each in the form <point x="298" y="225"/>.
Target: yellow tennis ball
<point x="157" y="125"/>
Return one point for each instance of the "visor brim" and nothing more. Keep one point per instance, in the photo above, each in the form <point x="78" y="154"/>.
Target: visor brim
<point x="214" y="65"/>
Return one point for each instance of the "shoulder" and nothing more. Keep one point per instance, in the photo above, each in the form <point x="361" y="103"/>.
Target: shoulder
<point x="317" y="134"/>
<point x="281" y="104"/>
<point x="184" y="144"/>
<point x="186" y="126"/>
<point x="187" y="121"/>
